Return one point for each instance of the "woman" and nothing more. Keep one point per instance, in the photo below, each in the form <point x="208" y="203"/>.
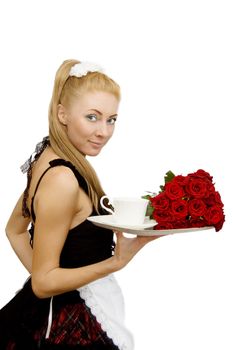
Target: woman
<point x="71" y="300"/>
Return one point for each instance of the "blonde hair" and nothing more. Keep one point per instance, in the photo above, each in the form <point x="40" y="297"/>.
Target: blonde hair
<point x="66" y="88"/>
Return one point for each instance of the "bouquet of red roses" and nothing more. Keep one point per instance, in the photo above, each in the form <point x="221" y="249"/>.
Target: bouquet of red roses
<point x="186" y="201"/>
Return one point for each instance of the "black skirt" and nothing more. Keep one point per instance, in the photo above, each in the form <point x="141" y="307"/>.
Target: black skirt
<point x="24" y="321"/>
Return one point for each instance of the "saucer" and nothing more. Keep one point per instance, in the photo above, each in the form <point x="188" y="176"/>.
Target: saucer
<point x="101" y="220"/>
<point x="146" y="229"/>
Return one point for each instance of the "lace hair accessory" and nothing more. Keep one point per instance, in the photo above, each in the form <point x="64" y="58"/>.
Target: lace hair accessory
<point x="38" y="150"/>
<point x="81" y="69"/>
<point x="27" y="168"/>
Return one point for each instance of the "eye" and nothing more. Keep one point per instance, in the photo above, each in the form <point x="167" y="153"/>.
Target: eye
<point x="91" y="117"/>
<point x="112" y="121"/>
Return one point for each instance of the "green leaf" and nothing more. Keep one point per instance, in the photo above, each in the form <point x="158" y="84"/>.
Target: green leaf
<point x="169" y="176"/>
<point x="149" y="210"/>
<point x="147" y="196"/>
<point x="162" y="188"/>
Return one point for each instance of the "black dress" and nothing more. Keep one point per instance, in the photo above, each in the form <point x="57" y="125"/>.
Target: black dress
<point x="63" y="321"/>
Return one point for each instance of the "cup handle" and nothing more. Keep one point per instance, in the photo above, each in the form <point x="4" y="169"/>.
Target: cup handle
<point x="103" y="206"/>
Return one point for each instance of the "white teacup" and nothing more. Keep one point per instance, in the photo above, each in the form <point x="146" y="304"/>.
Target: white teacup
<point x="127" y="211"/>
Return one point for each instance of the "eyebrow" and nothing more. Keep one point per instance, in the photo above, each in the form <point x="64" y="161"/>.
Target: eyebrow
<point x="96" y="110"/>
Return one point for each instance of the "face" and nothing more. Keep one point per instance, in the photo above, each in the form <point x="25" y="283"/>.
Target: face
<point x="90" y="121"/>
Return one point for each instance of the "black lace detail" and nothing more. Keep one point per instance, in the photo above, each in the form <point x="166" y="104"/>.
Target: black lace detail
<point x="27" y="167"/>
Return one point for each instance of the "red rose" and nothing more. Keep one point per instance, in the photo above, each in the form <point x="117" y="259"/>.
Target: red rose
<point x="202" y="174"/>
<point x="214" y="215"/>
<point x="210" y="188"/>
<point x="196" y="187"/>
<point x="214" y="198"/>
<point x="188" y="201"/>
<point x="160" y="202"/>
<point x="197" y="223"/>
<point x="219" y="224"/>
<point x="180" y="224"/>
<point x="163" y="216"/>
<point x="197" y="208"/>
<point x="180" y="179"/>
<point x="163" y="226"/>
<point x="173" y="190"/>
<point x="218" y="198"/>
<point x="179" y="208"/>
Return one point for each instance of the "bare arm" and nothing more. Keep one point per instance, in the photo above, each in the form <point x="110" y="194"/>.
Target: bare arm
<point x="55" y="206"/>
<point x="18" y="235"/>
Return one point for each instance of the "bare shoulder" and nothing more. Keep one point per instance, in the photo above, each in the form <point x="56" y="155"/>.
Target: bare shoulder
<point x="58" y="188"/>
<point x="61" y="179"/>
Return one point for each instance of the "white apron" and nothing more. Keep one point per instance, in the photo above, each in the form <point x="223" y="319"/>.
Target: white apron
<point x="105" y="300"/>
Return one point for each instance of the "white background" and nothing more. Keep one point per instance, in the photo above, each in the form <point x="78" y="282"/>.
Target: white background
<point x="173" y="60"/>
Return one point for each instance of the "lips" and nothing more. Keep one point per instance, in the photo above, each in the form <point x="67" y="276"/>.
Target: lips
<point x="97" y="143"/>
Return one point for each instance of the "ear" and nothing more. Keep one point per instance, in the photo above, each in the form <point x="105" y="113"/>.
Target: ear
<point x="61" y="114"/>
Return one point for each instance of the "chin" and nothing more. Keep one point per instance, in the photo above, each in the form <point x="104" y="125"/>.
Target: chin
<point x="93" y="153"/>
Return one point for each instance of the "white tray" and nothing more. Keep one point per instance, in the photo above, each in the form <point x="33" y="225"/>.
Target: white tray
<point x="146" y="229"/>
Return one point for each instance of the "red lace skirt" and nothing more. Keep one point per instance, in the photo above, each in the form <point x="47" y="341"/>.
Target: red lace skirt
<point x="74" y="325"/>
<point x="24" y="322"/>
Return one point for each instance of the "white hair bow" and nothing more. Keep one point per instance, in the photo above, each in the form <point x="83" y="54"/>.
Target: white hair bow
<point x="81" y="69"/>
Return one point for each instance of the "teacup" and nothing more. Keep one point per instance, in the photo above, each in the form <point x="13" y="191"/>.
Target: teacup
<point x="127" y="211"/>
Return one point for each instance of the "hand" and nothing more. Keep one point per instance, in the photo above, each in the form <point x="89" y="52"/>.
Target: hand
<point x="127" y="248"/>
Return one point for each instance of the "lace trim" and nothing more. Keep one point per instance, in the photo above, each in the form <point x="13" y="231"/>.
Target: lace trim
<point x="112" y="321"/>
<point x="27" y="167"/>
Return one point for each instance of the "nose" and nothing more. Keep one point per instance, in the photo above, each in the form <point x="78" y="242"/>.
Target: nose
<point x="103" y="130"/>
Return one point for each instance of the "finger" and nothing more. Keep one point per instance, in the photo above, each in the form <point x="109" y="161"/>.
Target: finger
<point x="119" y="234"/>
<point x="147" y="239"/>
<point x="155" y="237"/>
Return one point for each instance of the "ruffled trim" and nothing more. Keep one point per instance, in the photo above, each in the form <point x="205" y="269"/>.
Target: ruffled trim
<point x="95" y="295"/>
